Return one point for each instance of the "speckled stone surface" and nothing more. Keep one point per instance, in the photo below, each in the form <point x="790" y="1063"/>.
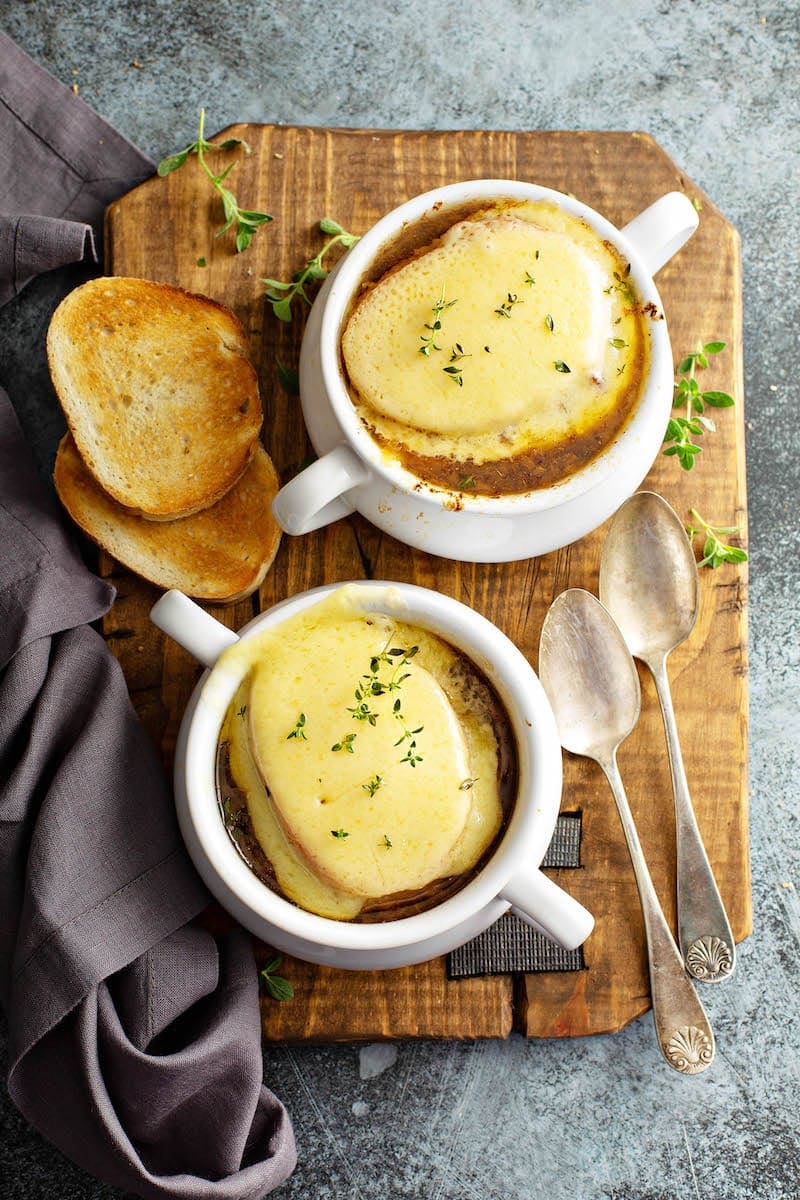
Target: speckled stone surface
<point x="716" y="84"/>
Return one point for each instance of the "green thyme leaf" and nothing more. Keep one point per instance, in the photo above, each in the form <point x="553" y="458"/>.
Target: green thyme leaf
<point x="505" y="308"/>
<point x="562" y="367"/>
<point x="339" y="833"/>
<point x="299" y="729"/>
<point x="345" y="744"/>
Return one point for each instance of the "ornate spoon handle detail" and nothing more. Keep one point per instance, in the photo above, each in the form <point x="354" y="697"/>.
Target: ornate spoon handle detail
<point x="682" y="1027"/>
<point x="704" y="932"/>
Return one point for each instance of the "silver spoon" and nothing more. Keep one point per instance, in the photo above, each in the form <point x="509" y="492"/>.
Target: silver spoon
<point x="593" y="688"/>
<point x="648" y="582"/>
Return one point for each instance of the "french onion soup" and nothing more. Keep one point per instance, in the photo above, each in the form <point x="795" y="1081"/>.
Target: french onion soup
<point x="502" y="356"/>
<point x="366" y="768"/>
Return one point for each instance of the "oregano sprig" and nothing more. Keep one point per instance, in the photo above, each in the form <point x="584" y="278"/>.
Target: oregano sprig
<point x="246" y="220"/>
<point x="681" y="430"/>
<point x="275" y="985"/>
<point x="715" y="551"/>
<point x="281" y="294"/>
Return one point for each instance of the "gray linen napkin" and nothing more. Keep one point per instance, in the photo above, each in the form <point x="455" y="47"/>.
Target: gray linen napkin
<point x="60" y="165"/>
<point x="134" y="1037"/>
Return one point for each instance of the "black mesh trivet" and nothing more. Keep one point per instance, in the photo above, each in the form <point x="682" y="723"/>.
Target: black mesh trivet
<point x="510" y="945"/>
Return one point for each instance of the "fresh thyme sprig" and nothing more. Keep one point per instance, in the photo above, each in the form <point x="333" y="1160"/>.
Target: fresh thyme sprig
<point x="681" y="429"/>
<point x="246" y="220"/>
<point x="455" y="373"/>
<point x="408" y="735"/>
<point x="299" y="731"/>
<point x="374" y="785"/>
<point x="623" y="285"/>
<point x="371" y="685"/>
<point x="281" y="295"/>
<point x="339" y="833"/>
<point x="275" y="985"/>
<point x="505" y="308"/>
<point x="428" y="339"/>
<point x="345" y="744"/>
<point x="715" y="551"/>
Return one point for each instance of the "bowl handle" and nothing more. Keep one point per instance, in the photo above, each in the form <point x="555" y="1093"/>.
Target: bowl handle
<point x="318" y="495"/>
<point x="539" y="902"/>
<point x="660" y="231"/>
<point x="192" y="627"/>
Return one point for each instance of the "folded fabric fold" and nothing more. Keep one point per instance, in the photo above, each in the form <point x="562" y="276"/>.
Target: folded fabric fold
<point x="27" y="240"/>
<point x="60" y="165"/>
<point x="166" y="1100"/>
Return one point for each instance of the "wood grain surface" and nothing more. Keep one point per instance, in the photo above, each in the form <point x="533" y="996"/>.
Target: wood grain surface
<point x="160" y="231"/>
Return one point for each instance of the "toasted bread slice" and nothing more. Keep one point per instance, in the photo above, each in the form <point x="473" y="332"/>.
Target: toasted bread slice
<point x="220" y="554"/>
<point x="158" y="392"/>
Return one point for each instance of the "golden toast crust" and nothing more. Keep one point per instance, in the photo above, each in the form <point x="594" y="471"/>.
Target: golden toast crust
<point x="220" y="554"/>
<point x="158" y="391"/>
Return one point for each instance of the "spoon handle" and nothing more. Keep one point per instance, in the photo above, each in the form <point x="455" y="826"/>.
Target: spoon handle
<point x="704" y="932"/>
<point x="682" y="1027"/>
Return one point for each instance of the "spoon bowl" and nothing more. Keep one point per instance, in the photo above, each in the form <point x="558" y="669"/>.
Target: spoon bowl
<point x="648" y="577"/>
<point x="588" y="674"/>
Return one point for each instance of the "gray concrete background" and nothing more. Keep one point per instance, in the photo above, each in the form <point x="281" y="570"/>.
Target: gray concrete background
<point x="717" y="85"/>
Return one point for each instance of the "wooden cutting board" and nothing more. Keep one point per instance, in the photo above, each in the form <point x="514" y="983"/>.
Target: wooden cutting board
<point x="163" y="230"/>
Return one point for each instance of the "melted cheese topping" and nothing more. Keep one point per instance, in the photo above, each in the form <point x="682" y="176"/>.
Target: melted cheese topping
<point x="420" y="823"/>
<point x="527" y="287"/>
